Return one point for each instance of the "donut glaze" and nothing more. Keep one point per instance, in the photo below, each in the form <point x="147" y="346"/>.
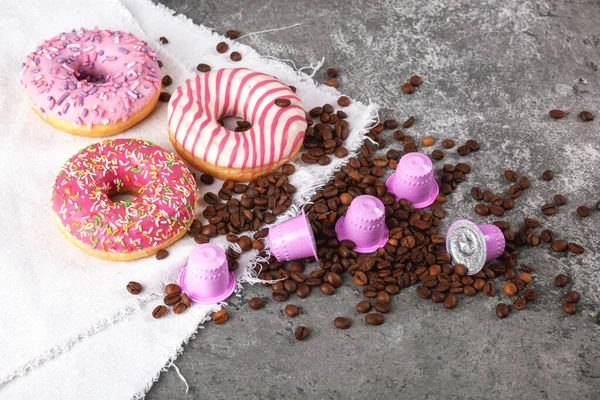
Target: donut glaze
<point x="161" y="213"/>
<point x="275" y="137"/>
<point x="88" y="78"/>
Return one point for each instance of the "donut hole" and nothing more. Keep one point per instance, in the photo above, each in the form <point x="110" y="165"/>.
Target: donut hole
<point x="91" y="77"/>
<point x="124" y="195"/>
<point x="234" y="123"/>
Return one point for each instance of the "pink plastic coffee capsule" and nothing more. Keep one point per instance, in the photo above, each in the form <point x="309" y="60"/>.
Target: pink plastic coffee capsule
<point x="413" y="180"/>
<point x="206" y="279"/>
<point x="474" y="245"/>
<point x="292" y="239"/>
<point x="364" y="224"/>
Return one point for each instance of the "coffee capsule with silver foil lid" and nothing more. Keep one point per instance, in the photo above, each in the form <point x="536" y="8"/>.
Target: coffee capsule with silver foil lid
<point x="474" y="245"/>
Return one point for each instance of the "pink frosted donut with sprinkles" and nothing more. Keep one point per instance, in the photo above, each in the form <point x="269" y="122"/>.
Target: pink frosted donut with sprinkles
<point x="276" y="115"/>
<point x="161" y="213"/>
<point x="92" y="82"/>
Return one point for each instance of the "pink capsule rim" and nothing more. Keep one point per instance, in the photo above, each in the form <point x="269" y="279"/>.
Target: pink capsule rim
<point x="364" y="250"/>
<point x="435" y="190"/>
<point x="208" y="300"/>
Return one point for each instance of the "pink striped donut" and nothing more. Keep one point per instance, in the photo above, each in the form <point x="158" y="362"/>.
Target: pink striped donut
<point x="275" y="137"/>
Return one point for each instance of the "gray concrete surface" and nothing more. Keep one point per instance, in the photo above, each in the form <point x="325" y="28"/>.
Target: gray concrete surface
<point x="492" y="70"/>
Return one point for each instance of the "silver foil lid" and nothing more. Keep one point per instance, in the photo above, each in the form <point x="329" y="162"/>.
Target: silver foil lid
<point x="466" y="245"/>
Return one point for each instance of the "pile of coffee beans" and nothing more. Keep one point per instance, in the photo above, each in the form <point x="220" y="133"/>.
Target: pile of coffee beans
<point x="325" y="137"/>
<point x="173" y="298"/>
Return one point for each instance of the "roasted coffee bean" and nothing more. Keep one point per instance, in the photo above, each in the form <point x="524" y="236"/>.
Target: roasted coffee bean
<point x="489" y="289"/>
<point x="482" y="209"/>
<point x="332" y="72"/>
<point x="428" y="141"/>
<point x="390" y="124"/>
<point x="360" y="278"/>
<point x="437" y="155"/>
<point x="374" y="319"/>
<point x="487" y="196"/>
<point x="207" y="179"/>
<point x="586" y="116"/>
<point x="571" y="297"/>
<point x="415" y="80"/>
<point x="469" y="291"/>
<point x="342" y="323"/>
<point x="409" y="122"/>
<point x="451" y="301"/>
<point x="510" y="175"/>
<point x="382" y="306"/>
<point x="461" y="269"/>
<point x="438" y="297"/>
<point x="301" y="333"/>
<point x="473" y="145"/>
<point x="164" y="97"/>
<point x="134" y="287"/>
<point x="548" y="209"/>
<point x="575" y="248"/>
<point x="245" y="243"/>
<point x="408" y="88"/>
<point x="203" y="67"/>
<point x="280" y="295"/>
<point x="326" y="289"/>
<point x="363" y="307"/>
<point x="172" y="288"/>
<point x="201" y="238"/>
<point x="423" y="292"/>
<point x="497" y="210"/>
<point x="526" y="278"/>
<point x="547" y="235"/>
<point x="172" y="299"/>
<point x="288" y="169"/>
<point x="559" y="245"/>
<point x="333" y="279"/>
<point x="289" y="285"/>
<point x="569" y="308"/>
<point x="185" y="300"/>
<point x="502" y="310"/>
<point x="519" y="303"/>
<point x="560" y="200"/>
<point x="220" y="317"/>
<point x="291" y="310"/>
<point x="529" y="294"/>
<point x="343" y="101"/>
<point x="524" y="182"/>
<point x="231" y="34"/>
<point x="257" y="244"/>
<point x="561" y="280"/>
<point x="179" y="308"/>
<point x="332" y="82"/>
<point x="159" y="311"/>
<point x="463" y="150"/>
<point x="160" y="64"/>
<point x="510" y="289"/>
<point x="514" y="191"/>
<point x="303" y="290"/>
<point x="235" y="56"/>
<point x="547" y="175"/>
<point x="283" y="103"/>
<point x="477" y="193"/>
<point x="163" y="40"/>
<point x="447" y="143"/>
<point x="209" y="230"/>
<point x="556" y="114"/>
<point x="222" y="47"/>
<point x="583" y="211"/>
<point x="167" y="81"/>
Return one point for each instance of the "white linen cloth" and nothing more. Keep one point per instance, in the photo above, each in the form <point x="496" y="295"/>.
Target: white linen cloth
<point x="68" y="326"/>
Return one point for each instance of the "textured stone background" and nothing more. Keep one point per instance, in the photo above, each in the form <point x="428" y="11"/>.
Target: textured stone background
<point x="492" y="70"/>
